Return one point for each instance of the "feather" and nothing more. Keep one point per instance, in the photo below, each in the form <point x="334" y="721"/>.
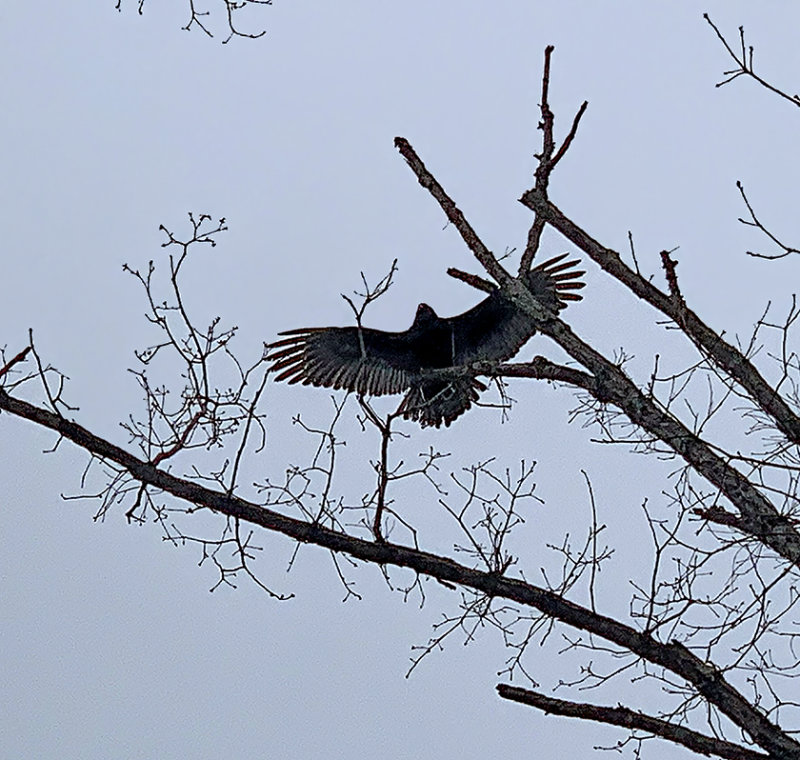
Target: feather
<point x="377" y="363"/>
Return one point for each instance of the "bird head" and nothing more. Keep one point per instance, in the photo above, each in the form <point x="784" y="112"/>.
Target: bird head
<point x="425" y="316"/>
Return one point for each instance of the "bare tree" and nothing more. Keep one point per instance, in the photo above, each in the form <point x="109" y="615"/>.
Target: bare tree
<point x="711" y="641"/>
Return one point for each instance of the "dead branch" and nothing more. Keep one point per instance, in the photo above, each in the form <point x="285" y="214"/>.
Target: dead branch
<point x="728" y="358"/>
<point x="744" y="64"/>
<point x="760" y="518"/>
<point x="200" y="19"/>
<point x="548" y="159"/>
<point x="9" y="365"/>
<point x="627" y="718"/>
<point x="754" y="221"/>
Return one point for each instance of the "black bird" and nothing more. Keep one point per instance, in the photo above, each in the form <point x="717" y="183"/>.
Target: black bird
<point x="377" y="363"/>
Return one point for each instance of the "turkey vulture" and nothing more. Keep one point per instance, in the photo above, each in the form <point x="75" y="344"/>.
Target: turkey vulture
<point x="376" y="363"/>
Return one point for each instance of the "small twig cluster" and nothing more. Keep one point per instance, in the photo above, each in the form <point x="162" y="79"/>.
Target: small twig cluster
<point x="744" y="64"/>
<point x="200" y="18"/>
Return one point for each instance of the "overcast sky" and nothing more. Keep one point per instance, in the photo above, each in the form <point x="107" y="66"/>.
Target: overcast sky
<point x="110" y="643"/>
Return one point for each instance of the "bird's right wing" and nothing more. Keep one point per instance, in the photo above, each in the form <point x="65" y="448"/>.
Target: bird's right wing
<point x="495" y="329"/>
<point x="369" y="362"/>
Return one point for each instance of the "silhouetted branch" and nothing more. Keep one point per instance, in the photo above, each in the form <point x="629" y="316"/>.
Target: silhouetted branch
<point x="211" y="405"/>
<point x="674" y="657"/>
<point x="371" y="292"/>
<point x="20" y="357"/>
<point x="760" y="519"/>
<point x="513" y="288"/>
<point x="541" y="368"/>
<point x="636" y="721"/>
<point x="200" y="18"/>
<point x="669" y="264"/>
<point x="754" y="221"/>
<point x="744" y="63"/>
<point x="732" y="361"/>
<point x="547" y="161"/>
<point x="452" y="212"/>
<point x="472" y="279"/>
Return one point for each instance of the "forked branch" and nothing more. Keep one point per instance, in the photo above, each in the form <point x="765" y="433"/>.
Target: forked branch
<point x="548" y="159"/>
<point x="744" y="64"/>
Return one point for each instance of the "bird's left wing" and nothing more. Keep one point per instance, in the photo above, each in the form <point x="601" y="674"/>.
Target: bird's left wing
<point x="369" y="362"/>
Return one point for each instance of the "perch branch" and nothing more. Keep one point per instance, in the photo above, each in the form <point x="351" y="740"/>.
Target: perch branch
<point x="710" y="344"/>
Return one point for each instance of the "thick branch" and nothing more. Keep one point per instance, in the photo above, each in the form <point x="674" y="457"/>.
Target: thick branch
<point x="674" y="657"/>
<point x="627" y="718"/>
<point x="540" y="368"/>
<point x="453" y="213"/>
<point x="725" y="356"/>
<point x="759" y="518"/>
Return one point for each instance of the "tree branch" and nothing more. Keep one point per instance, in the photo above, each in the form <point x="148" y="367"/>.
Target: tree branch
<point x="472" y="279"/>
<point x="754" y="221"/>
<point x="16" y="360"/>
<point x="710" y="344"/>
<point x="760" y="519"/>
<point x="452" y="212"/>
<point x="547" y="160"/>
<point x="675" y="657"/>
<point x="627" y="718"/>
<point x="540" y="368"/>
<point x="744" y="61"/>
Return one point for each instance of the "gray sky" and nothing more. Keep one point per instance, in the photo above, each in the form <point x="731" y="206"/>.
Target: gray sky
<point x="112" y="645"/>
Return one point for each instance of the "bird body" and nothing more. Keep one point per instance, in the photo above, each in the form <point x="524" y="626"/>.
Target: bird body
<point x="375" y="363"/>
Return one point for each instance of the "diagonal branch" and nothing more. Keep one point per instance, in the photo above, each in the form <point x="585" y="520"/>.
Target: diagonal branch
<point x="16" y="360"/>
<point x="710" y="344"/>
<point x="513" y="288"/>
<point x="760" y="519"/>
<point x="627" y="718"/>
<point x="744" y="61"/>
<point x="472" y="279"/>
<point x="453" y="213"/>
<point x="673" y="656"/>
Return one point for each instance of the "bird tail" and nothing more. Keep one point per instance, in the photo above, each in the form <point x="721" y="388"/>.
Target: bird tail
<point x="553" y="282"/>
<point x="435" y="401"/>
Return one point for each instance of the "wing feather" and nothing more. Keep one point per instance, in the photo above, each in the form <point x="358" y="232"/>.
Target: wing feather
<point x="495" y="330"/>
<point x="332" y="357"/>
<point x="376" y="363"/>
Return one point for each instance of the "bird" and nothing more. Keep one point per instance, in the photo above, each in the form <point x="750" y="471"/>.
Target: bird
<point x="430" y="361"/>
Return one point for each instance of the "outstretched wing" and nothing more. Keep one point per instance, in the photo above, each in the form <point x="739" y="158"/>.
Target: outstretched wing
<point x="495" y="329"/>
<point x="376" y="363"/>
<point x="369" y="362"/>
